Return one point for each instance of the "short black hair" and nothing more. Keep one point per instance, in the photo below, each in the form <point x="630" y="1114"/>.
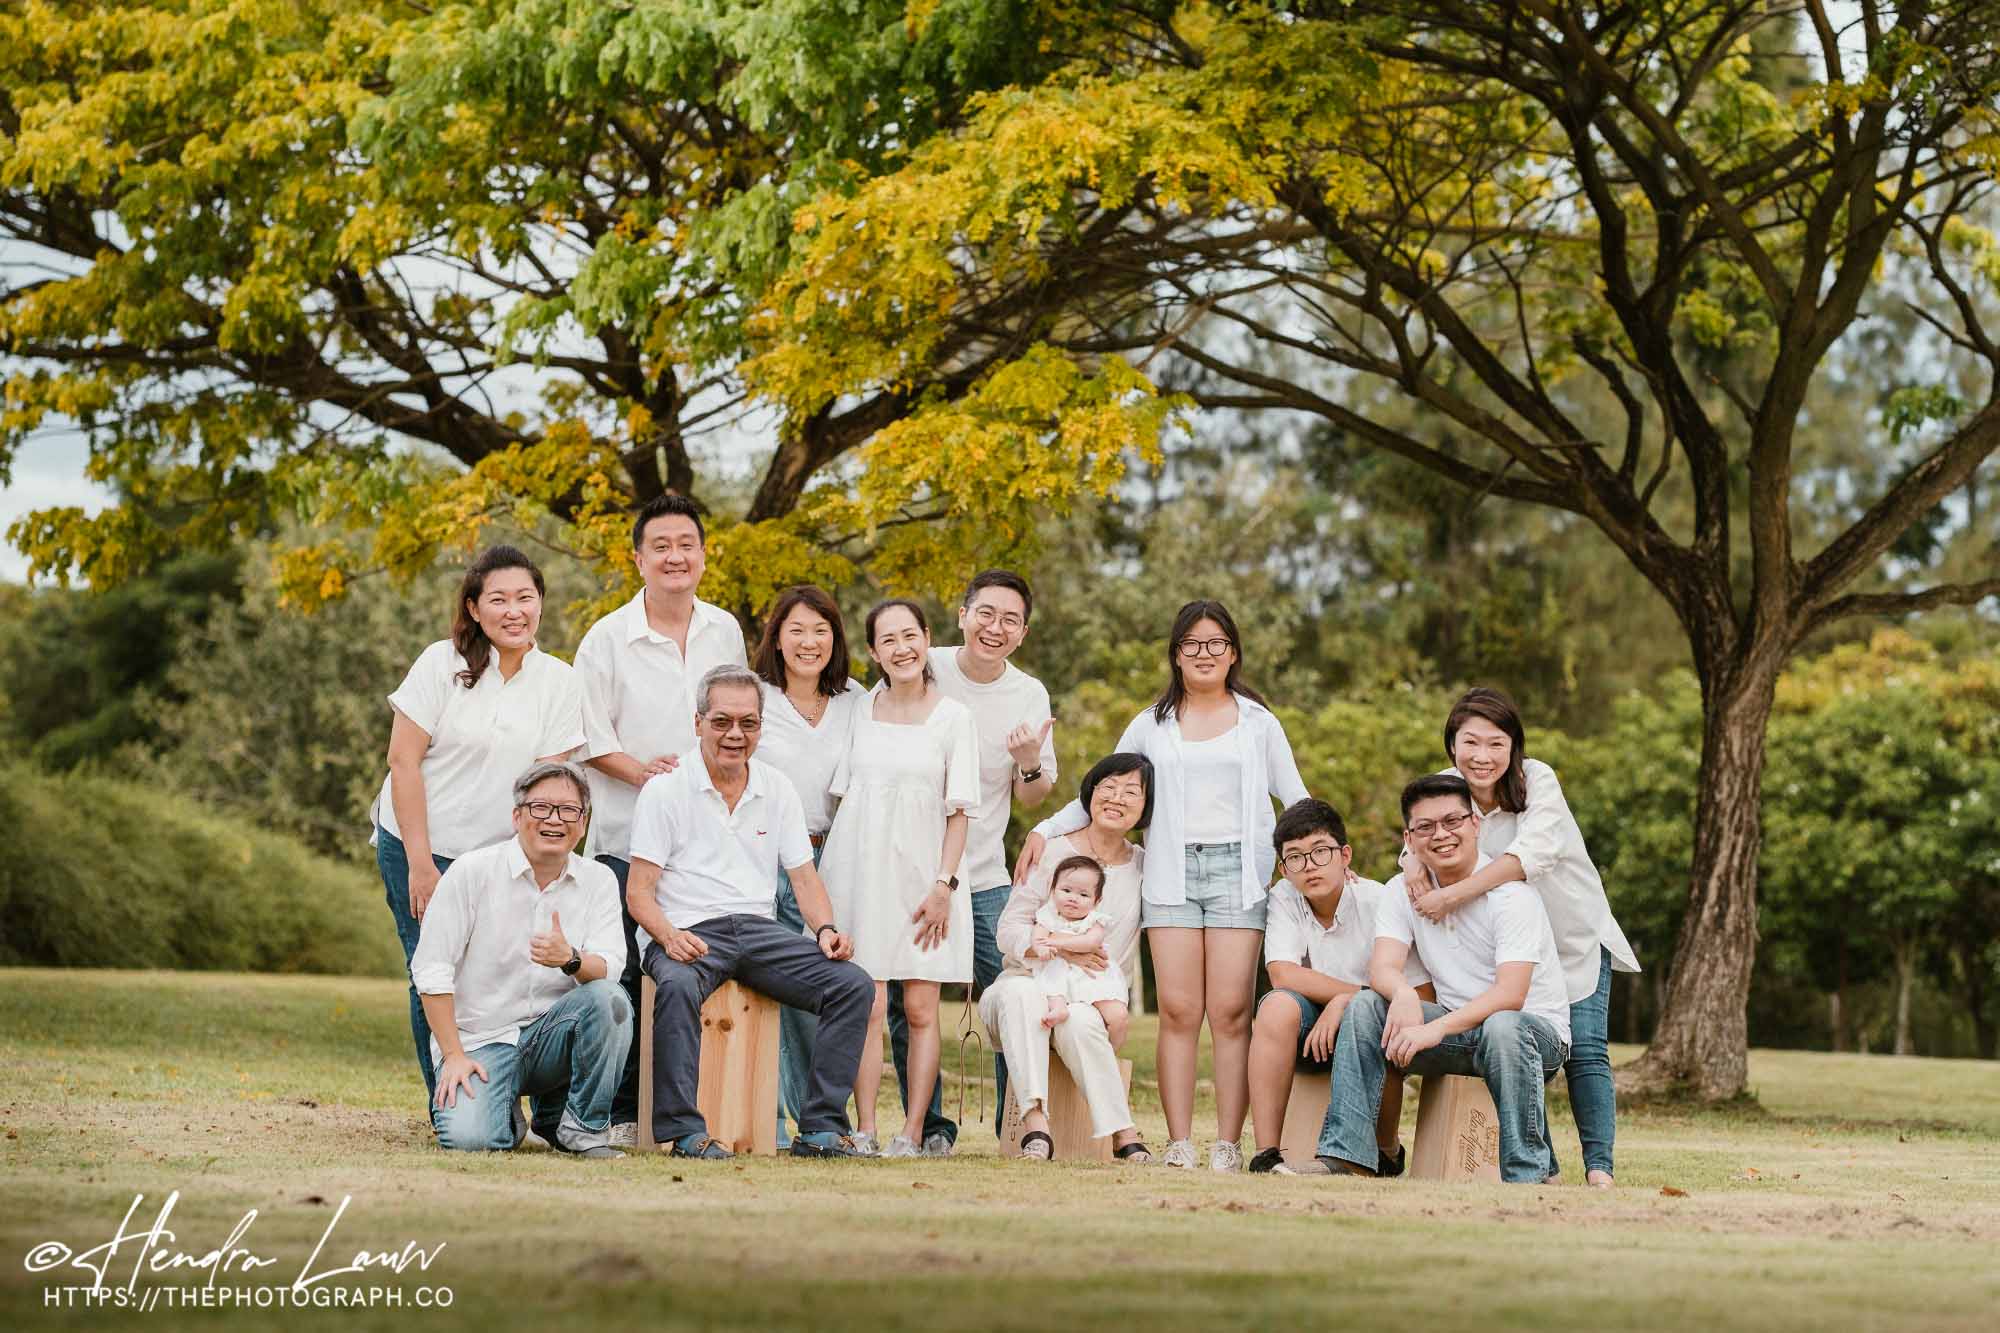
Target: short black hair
<point x="661" y="506"/>
<point x="1001" y="578"/>
<point x="1115" y="765"/>
<point x="1435" y="784"/>
<point x="1302" y="819"/>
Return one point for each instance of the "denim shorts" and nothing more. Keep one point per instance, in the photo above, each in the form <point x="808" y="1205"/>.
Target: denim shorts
<point x="1309" y="1012"/>
<point x="1214" y="879"/>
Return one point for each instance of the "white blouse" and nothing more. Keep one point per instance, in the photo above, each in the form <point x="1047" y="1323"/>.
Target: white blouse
<point x="806" y="754"/>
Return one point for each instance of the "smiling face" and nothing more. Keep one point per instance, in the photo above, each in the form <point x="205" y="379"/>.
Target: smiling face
<point x="994" y="622"/>
<point x="1482" y="752"/>
<point x="1075" y="893"/>
<point x="1201" y="667"/>
<point x="670" y="556"/>
<point x="545" y="833"/>
<point x="728" y="731"/>
<point x="1117" y="802"/>
<point x="1450" y="854"/>
<point x="508" y="609"/>
<point x="1316" y="865"/>
<point x="805" y="643"/>
<point x="901" y="647"/>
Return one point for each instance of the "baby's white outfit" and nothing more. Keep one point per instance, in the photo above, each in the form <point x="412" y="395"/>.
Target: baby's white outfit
<point x="1058" y="976"/>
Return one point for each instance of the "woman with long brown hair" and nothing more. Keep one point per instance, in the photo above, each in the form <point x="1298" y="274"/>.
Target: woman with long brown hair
<point x="1219" y="757"/>
<point x="473" y="713"/>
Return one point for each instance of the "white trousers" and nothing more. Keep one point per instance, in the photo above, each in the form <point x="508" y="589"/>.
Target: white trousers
<point x="1012" y="1009"/>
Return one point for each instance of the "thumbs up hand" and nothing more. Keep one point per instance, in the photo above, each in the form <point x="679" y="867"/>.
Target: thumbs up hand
<point x="550" y="948"/>
<point x="1024" y="743"/>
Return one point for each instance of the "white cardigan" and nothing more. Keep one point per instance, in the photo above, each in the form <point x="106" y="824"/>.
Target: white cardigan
<point x="1268" y="770"/>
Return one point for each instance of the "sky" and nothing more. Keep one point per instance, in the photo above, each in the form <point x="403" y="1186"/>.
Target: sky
<point x="48" y="471"/>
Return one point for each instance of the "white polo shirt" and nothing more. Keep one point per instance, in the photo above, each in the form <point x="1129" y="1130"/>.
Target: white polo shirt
<point x="1293" y="934"/>
<point x="808" y="755"/>
<point x="482" y="738"/>
<point x="1016" y="698"/>
<point x="1464" y="951"/>
<point x="715" y="861"/>
<point x="474" y="945"/>
<point x="638" y="698"/>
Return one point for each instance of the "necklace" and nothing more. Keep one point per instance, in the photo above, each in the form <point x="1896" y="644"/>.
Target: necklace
<point x="1117" y="844"/>
<point x="819" y="708"/>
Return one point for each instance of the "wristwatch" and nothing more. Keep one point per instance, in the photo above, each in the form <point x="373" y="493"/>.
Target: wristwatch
<point x="1032" y="774"/>
<point x="950" y="882"/>
<point x="575" y="962"/>
<point x="823" y="929"/>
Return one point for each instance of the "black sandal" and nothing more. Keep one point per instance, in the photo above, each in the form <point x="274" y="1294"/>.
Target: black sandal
<point x="1136" y="1150"/>
<point x="1033" y="1137"/>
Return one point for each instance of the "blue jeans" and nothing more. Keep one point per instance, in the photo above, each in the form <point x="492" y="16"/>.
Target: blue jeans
<point x="1213" y="875"/>
<point x="796" y="1027"/>
<point x="393" y="860"/>
<point x="1515" y="1052"/>
<point x="1593" y="1097"/>
<point x="567" y="1063"/>
<point x="625" y="1102"/>
<point x="987" y="905"/>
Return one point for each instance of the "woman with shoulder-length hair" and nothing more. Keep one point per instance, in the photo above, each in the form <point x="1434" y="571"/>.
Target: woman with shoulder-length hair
<point x="1219" y="755"/>
<point x="908" y="785"/>
<point x="473" y="713"/>
<point x="1527" y="829"/>
<point x="809" y="702"/>
<point x="1118" y="793"/>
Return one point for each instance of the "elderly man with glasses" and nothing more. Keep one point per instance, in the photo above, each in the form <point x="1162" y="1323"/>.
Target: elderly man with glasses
<point x="515" y="967"/>
<point x="1502" y="1011"/>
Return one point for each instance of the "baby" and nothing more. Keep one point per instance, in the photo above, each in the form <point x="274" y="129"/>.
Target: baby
<point x="1068" y="923"/>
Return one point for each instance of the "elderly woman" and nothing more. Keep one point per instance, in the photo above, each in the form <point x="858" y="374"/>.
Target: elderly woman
<point x="1118" y="794"/>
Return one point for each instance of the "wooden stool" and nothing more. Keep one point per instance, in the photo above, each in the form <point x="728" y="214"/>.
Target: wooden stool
<point x="1458" y="1131"/>
<point x="1069" y="1117"/>
<point x="736" y="1089"/>
<point x="1305" y="1115"/>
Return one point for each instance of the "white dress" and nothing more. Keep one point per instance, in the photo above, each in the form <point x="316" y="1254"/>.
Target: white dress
<point x="1057" y="976"/>
<point x="897" y="783"/>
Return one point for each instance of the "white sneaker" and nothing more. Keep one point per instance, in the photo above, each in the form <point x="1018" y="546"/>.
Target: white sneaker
<point x="1225" y="1157"/>
<point x="625" y="1135"/>
<point x="937" y="1145"/>
<point x="902" y="1147"/>
<point x="864" y="1144"/>
<point x="1180" y="1153"/>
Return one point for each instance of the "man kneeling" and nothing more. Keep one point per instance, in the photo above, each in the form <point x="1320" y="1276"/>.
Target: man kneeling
<point x="1318" y="939"/>
<point x="518" y="1001"/>
<point x="1502" y="1012"/>
<point x="707" y="842"/>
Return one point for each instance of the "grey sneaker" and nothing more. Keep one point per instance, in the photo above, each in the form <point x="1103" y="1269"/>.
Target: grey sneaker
<point x="1180" y="1153"/>
<point x="625" y="1135"/>
<point x="1225" y="1157"/>
<point x="525" y="1138"/>
<point x="937" y="1145"/>
<point x="902" y="1147"/>
<point x="864" y="1144"/>
<point x="1312" y="1166"/>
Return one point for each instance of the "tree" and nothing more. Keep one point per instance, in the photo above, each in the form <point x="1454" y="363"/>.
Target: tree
<point x="1512" y="214"/>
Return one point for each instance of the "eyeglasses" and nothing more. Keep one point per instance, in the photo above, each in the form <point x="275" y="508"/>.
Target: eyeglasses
<point x="1196" y="647"/>
<point x="1007" y="620"/>
<point x="723" y="725"/>
<point x="1430" y="828"/>
<point x="567" y="813"/>
<point x="1296" y="862"/>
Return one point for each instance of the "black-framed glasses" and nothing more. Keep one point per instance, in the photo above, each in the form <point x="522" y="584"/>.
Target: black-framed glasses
<point x="1212" y="647"/>
<point x="1430" y="828"/>
<point x="567" y="812"/>
<point x="1296" y="862"/>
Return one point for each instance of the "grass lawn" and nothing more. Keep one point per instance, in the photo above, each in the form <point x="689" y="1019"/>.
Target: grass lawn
<point x="1863" y="1193"/>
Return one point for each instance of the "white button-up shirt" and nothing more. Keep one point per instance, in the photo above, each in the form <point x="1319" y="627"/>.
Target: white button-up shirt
<point x="715" y="861"/>
<point x="474" y="945"/>
<point x="1293" y="934"/>
<point x="638" y="698"/>
<point x="1463" y="952"/>
<point x="482" y="738"/>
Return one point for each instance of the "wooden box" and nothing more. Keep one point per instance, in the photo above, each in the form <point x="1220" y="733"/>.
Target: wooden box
<point x="1458" y="1131"/>
<point x="1069" y="1117"/>
<point x="737" y="1087"/>
<point x="1305" y="1115"/>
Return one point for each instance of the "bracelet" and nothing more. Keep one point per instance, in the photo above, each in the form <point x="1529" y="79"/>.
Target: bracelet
<point x="1032" y="774"/>
<point x="823" y="929"/>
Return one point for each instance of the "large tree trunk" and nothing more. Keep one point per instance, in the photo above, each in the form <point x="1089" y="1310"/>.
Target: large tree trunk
<point x="1701" y="1043"/>
<point x="1833" y="1022"/>
<point x="1906" y="969"/>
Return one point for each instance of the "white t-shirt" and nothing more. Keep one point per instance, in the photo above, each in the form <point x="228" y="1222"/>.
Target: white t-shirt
<point x="638" y="698"/>
<point x="1293" y="934"/>
<point x="481" y="740"/>
<point x="1463" y="952"/>
<point x="474" y="945"/>
<point x="715" y="861"/>
<point x="1214" y="771"/>
<point x="998" y="708"/>
<point x="808" y="755"/>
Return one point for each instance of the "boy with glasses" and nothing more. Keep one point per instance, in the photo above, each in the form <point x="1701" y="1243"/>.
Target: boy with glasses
<point x="1502" y="1010"/>
<point x="1319" y="934"/>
